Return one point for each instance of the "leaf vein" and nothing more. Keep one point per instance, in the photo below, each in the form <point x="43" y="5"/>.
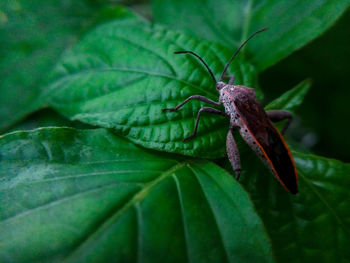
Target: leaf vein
<point x="59" y="201"/>
<point x="137" y="197"/>
<point x="178" y="188"/>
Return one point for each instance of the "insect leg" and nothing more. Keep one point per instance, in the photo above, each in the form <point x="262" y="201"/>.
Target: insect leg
<point x="194" y="97"/>
<point x="204" y="109"/>
<point x="232" y="153"/>
<point x="279" y="115"/>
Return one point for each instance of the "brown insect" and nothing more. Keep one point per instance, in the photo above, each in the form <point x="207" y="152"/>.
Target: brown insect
<point x="254" y="124"/>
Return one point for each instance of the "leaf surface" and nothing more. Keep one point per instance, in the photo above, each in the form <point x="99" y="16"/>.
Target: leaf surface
<point x="122" y="74"/>
<point x="292" y="24"/>
<point x="89" y="196"/>
<point x="314" y="225"/>
<point x="291" y="99"/>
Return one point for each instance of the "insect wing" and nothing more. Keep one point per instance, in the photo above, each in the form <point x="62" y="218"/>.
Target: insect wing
<point x="269" y="140"/>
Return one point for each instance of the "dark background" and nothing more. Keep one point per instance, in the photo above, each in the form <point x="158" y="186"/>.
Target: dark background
<point x="325" y="113"/>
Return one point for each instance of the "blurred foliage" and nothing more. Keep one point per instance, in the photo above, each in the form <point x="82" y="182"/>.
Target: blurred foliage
<point x="83" y="194"/>
<point x="33" y="34"/>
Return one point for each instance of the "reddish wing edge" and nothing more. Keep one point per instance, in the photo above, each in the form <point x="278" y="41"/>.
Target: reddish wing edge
<point x="270" y="141"/>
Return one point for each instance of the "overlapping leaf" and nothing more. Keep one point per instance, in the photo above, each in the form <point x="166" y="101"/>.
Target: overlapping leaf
<point x="292" y="24"/>
<point x="89" y="196"/>
<point x="291" y="99"/>
<point x="314" y="225"/>
<point x="121" y="75"/>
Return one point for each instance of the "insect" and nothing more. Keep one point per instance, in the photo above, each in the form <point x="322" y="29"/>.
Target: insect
<point x="253" y="122"/>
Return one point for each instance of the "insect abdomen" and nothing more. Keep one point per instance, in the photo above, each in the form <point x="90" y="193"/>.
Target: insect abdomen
<point x="252" y="143"/>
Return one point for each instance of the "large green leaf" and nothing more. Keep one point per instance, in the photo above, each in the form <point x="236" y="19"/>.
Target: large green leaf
<point x="33" y="34"/>
<point x="291" y="24"/>
<point x="89" y="196"/>
<point x="314" y="225"/>
<point x="122" y="74"/>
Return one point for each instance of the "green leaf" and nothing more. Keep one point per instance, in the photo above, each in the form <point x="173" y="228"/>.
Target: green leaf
<point x="122" y="74"/>
<point x="314" y="225"/>
<point x="292" y="24"/>
<point x="33" y="35"/>
<point x="89" y="196"/>
<point x="291" y="99"/>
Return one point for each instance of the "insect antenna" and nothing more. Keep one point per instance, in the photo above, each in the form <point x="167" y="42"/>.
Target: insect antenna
<point x="205" y="64"/>
<point x="237" y="51"/>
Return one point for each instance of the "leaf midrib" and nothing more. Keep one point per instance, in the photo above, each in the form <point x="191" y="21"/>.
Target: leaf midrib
<point x="122" y="69"/>
<point x="183" y="217"/>
<point x="137" y="198"/>
<point x="61" y="200"/>
<point x="246" y="23"/>
<point x="163" y="59"/>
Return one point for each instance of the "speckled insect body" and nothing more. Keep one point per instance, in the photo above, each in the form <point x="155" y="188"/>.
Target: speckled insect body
<point x="254" y="124"/>
<point x="228" y="95"/>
